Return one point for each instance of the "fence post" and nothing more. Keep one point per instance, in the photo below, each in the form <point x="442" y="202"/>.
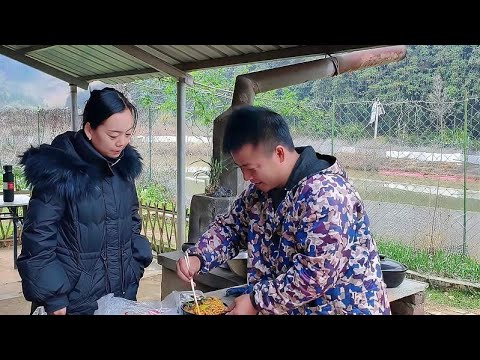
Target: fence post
<point x="150" y="145"/>
<point x="465" y="156"/>
<point x="375" y="128"/>
<point x="333" y="124"/>
<point x="38" y="126"/>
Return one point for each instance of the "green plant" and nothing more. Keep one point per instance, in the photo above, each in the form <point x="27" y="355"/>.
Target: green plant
<point x="455" y="298"/>
<point x="450" y="137"/>
<point x="352" y="131"/>
<point x="215" y="169"/>
<point x="433" y="262"/>
<point x="20" y="180"/>
<point x="153" y="193"/>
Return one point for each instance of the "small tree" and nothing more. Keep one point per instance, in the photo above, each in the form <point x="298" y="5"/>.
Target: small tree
<point x="440" y="106"/>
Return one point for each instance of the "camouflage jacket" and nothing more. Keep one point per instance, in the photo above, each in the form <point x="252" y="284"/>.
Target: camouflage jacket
<point x="314" y="254"/>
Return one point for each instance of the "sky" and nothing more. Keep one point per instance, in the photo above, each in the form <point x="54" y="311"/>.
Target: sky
<point x="39" y="88"/>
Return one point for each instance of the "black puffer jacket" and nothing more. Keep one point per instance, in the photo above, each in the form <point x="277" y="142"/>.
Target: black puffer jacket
<point x="81" y="237"/>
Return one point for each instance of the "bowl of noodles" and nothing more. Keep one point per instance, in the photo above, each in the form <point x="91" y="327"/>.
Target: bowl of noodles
<point x="208" y="306"/>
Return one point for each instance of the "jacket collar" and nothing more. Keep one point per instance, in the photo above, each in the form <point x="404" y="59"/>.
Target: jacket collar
<point x="72" y="167"/>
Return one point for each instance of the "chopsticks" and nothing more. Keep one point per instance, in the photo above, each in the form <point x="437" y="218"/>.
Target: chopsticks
<point x="191" y="283"/>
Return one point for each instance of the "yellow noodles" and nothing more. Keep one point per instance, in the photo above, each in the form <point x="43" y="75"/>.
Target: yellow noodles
<point x="207" y="306"/>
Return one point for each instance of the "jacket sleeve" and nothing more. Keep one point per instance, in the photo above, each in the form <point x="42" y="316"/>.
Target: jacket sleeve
<point x="318" y="224"/>
<point x="141" y="248"/>
<point x="44" y="279"/>
<point x="223" y="237"/>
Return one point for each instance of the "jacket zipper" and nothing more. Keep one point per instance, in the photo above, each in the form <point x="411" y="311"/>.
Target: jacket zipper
<point x="107" y="277"/>
<point x="120" y="245"/>
<point x="121" y="266"/>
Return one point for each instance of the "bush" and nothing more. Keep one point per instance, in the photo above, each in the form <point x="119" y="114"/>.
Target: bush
<point x="20" y="180"/>
<point x="153" y="194"/>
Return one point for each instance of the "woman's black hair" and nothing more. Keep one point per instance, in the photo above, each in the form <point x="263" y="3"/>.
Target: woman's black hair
<point x="104" y="103"/>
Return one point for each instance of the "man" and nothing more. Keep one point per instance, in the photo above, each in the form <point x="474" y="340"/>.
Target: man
<point x="305" y="227"/>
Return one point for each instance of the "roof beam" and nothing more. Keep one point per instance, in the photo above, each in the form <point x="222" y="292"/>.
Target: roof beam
<point x="118" y="74"/>
<point x="43" y="67"/>
<point x="269" y="55"/>
<point x="33" y="48"/>
<point x="155" y="62"/>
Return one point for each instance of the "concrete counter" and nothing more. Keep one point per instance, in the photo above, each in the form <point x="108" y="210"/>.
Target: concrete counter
<point x="406" y="299"/>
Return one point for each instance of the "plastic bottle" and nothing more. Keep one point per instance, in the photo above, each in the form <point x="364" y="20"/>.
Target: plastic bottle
<point x="8" y="184"/>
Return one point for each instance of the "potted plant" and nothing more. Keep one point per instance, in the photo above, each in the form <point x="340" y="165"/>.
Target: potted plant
<point x="214" y="201"/>
<point x="215" y="169"/>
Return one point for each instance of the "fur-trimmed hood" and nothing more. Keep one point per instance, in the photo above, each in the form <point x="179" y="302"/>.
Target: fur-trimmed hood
<point x="72" y="167"/>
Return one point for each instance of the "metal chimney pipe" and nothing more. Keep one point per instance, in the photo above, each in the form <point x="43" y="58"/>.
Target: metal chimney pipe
<point x="248" y="85"/>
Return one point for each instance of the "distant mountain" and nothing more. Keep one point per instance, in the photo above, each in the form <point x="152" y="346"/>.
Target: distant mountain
<point x="23" y="86"/>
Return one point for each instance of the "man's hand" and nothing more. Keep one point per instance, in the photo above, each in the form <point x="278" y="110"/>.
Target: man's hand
<point x="182" y="270"/>
<point x="62" y="311"/>
<point x="242" y="306"/>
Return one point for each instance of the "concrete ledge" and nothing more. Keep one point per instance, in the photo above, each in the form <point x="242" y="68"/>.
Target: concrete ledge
<point x="443" y="283"/>
<point x="406" y="289"/>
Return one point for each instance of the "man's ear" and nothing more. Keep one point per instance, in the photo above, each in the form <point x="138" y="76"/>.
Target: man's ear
<point x="280" y="153"/>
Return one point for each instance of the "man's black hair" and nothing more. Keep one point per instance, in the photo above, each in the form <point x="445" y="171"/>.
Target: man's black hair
<point x="256" y="125"/>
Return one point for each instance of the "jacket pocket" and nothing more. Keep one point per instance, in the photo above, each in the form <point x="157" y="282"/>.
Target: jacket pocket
<point x="137" y="270"/>
<point x="82" y="289"/>
<point x="132" y="280"/>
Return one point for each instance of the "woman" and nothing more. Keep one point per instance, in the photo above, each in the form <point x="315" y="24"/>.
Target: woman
<point x="81" y="237"/>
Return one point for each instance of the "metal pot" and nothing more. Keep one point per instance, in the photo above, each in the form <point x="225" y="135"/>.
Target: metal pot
<point x="393" y="271"/>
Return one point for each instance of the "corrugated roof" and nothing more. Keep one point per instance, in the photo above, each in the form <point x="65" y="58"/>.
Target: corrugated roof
<point x="114" y="64"/>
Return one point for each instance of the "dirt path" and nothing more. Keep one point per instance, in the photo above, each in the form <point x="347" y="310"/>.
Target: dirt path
<point x="432" y="308"/>
<point x="435" y="309"/>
